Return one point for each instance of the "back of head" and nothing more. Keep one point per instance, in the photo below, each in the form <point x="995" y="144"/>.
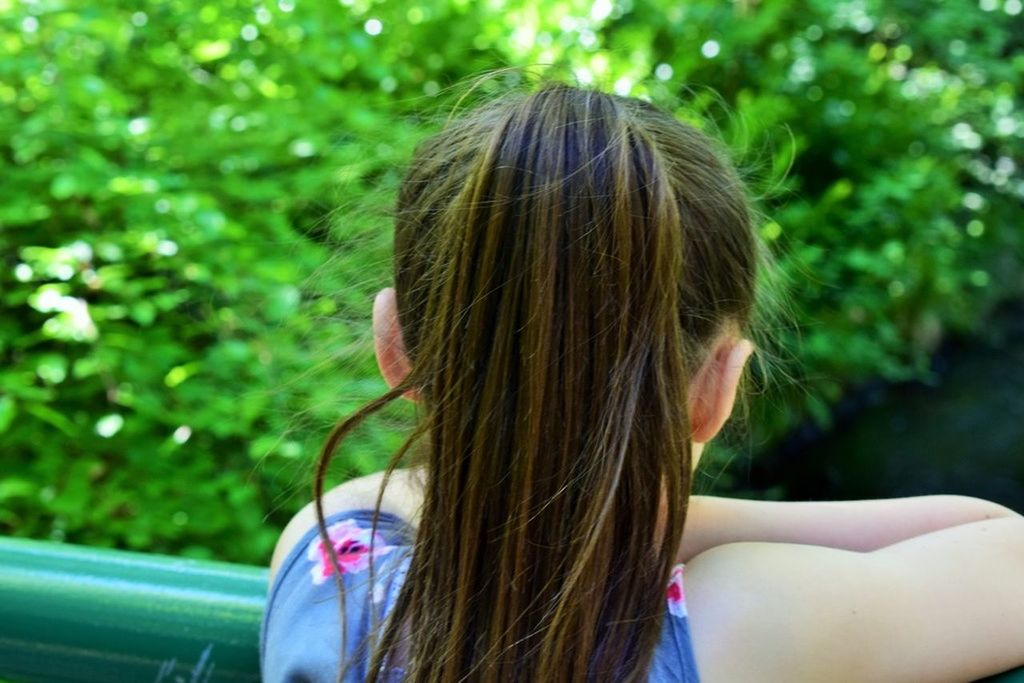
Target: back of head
<point x="562" y="260"/>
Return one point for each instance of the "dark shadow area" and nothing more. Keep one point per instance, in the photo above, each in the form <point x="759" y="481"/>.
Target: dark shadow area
<point x="964" y="435"/>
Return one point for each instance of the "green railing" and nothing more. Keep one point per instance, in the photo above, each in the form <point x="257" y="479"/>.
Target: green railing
<point x="73" y="613"/>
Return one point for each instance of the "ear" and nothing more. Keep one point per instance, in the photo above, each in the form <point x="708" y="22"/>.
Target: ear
<point x="387" y="341"/>
<point x="713" y="390"/>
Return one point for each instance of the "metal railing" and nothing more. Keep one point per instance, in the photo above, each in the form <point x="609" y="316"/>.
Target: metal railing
<point x="78" y="614"/>
<point x="74" y="613"/>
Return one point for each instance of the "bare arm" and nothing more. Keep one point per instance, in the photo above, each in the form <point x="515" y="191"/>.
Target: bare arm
<point x="711" y="521"/>
<point x="944" y="607"/>
<point x="861" y="525"/>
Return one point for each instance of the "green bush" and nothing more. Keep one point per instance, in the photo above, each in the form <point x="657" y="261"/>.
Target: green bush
<point x="192" y="222"/>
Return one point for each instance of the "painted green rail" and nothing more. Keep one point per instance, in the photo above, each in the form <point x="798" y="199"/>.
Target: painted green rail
<point x="77" y="614"/>
<point x="73" y="613"/>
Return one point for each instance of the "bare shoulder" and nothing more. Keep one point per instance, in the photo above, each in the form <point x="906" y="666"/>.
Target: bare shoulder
<point x="402" y="498"/>
<point x="945" y="606"/>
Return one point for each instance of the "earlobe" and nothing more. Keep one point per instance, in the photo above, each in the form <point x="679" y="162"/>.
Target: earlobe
<point x="713" y="392"/>
<point x="731" y="373"/>
<point x="387" y="340"/>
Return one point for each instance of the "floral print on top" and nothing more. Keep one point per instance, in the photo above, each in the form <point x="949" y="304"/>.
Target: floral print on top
<point x="353" y="546"/>
<point x="299" y="638"/>
<point x="676" y="594"/>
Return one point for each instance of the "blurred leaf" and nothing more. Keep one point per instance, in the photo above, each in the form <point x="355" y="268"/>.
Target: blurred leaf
<point x="8" y="410"/>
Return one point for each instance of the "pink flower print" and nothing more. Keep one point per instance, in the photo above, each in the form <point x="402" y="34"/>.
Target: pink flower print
<point x="675" y="593"/>
<point x="352" y="546"/>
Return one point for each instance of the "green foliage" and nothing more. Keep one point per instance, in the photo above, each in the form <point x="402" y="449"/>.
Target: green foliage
<point x="192" y="222"/>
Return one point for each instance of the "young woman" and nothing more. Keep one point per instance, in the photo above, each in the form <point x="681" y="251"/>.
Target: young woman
<point x="574" y="279"/>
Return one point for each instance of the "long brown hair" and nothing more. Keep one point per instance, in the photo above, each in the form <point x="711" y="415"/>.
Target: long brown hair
<point x="562" y="260"/>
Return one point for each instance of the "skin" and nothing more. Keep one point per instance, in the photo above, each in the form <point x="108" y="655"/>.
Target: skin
<point x="928" y="585"/>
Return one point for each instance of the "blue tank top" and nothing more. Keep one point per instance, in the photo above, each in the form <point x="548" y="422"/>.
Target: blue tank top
<point x="300" y="639"/>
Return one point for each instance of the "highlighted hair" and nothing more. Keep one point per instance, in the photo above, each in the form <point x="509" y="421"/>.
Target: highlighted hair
<point x="562" y="260"/>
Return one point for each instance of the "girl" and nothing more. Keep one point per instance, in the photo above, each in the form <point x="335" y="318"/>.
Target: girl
<point x="574" y="279"/>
